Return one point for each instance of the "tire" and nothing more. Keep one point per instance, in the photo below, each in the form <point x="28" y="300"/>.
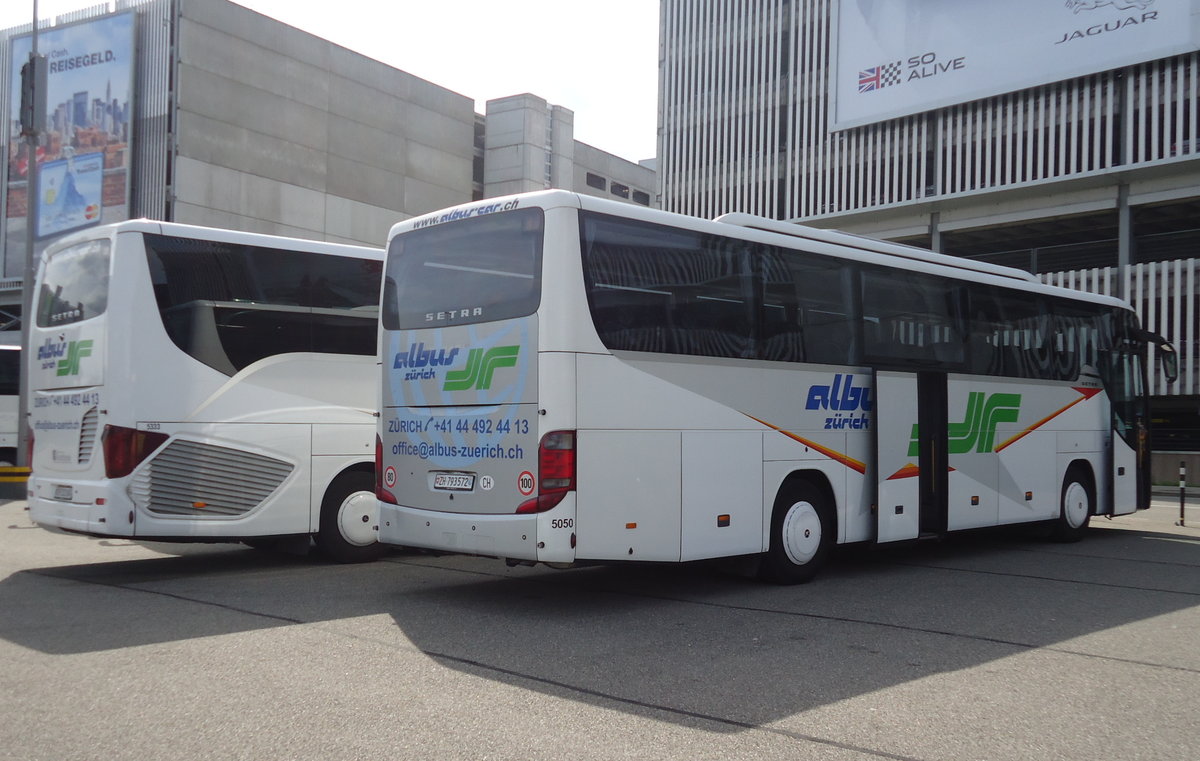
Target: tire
<point x="802" y="533"/>
<point x="350" y="520"/>
<point x="1076" y="505"/>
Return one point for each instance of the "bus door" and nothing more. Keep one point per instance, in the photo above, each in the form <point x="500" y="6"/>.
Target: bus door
<point x="911" y="454"/>
<point x="1129" y="456"/>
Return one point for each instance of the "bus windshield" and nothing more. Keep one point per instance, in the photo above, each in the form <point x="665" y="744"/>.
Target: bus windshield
<point x="476" y="270"/>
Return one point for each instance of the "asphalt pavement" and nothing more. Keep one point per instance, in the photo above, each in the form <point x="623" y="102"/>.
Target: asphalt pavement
<point x="991" y="645"/>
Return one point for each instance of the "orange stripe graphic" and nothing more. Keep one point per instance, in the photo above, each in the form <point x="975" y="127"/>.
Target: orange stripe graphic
<point x="1088" y="393"/>
<point x="849" y="462"/>
<point x="908" y="471"/>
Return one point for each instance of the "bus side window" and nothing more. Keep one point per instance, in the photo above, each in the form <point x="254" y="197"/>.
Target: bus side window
<point x="807" y="309"/>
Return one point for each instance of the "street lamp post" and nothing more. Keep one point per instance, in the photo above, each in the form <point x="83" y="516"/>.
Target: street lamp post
<point x="33" y="117"/>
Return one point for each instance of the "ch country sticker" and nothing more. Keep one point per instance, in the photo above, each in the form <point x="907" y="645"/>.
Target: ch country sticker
<point x="481" y="365"/>
<point x="977" y="431"/>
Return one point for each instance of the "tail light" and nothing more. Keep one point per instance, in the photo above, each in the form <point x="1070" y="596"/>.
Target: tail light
<point x="126" y="448"/>
<point x="381" y="494"/>
<point x="556" y="472"/>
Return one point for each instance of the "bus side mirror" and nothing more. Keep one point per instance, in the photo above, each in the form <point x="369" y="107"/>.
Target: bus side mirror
<point x="1169" y="359"/>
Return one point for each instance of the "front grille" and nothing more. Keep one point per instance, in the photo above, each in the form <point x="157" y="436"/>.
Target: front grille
<point x="87" y="435"/>
<point x="191" y="479"/>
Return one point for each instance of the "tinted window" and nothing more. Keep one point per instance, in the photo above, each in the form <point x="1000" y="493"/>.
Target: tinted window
<point x="1009" y="334"/>
<point x="808" y="312"/>
<point x="663" y="289"/>
<point x="911" y="318"/>
<point x="473" y="270"/>
<point x="74" y="284"/>
<point x="10" y="371"/>
<point x="230" y="305"/>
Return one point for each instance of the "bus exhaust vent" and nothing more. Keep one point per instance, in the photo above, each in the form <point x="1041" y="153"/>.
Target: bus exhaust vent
<point x="192" y="479"/>
<point x="87" y="435"/>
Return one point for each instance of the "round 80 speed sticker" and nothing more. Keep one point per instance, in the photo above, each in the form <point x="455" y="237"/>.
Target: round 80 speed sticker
<point x="525" y="483"/>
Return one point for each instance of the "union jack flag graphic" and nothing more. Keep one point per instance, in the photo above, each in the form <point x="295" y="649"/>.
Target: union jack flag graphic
<point x="878" y="77"/>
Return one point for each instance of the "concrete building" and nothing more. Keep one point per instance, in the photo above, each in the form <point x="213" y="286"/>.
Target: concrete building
<point x="530" y="146"/>
<point x="1090" y="180"/>
<point x="242" y="122"/>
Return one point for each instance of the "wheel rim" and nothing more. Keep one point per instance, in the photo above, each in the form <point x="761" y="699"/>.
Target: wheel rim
<point x="357" y="518"/>
<point x="801" y="532"/>
<point x="1076" y="505"/>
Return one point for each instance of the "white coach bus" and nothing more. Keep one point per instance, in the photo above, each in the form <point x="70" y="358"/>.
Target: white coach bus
<point x="568" y="379"/>
<point x="193" y="384"/>
<point x="10" y="394"/>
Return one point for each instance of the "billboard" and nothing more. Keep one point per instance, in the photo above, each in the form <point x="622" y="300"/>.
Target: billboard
<point x="83" y="157"/>
<point x="898" y="57"/>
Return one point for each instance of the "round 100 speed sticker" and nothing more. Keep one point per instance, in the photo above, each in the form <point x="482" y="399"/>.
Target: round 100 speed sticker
<point x="525" y="483"/>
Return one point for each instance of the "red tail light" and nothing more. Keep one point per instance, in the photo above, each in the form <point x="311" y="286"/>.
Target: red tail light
<point x="126" y="448"/>
<point x="556" y="472"/>
<point x="381" y="494"/>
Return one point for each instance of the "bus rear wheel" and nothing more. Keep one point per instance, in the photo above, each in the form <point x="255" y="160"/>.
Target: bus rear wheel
<point x="802" y="528"/>
<point x="1076" y="505"/>
<point x="350" y="519"/>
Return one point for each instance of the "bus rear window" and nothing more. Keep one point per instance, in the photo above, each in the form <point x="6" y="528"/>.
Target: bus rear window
<point x="74" y="285"/>
<point x="475" y="270"/>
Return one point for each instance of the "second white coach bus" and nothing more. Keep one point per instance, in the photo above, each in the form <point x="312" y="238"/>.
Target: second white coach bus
<point x="10" y="394"/>
<point x="194" y="384"/>
<point x="569" y="379"/>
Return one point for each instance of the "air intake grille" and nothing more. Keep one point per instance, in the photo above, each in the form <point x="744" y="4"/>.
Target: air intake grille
<point x="191" y="479"/>
<point x="87" y="435"/>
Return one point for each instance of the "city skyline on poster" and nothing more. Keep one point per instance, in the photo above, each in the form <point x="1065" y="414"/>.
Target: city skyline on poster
<point x="86" y="144"/>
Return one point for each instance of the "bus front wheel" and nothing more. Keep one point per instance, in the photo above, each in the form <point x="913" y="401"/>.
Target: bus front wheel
<point x="802" y="528"/>
<point x="350" y="520"/>
<point x="1076" y="505"/>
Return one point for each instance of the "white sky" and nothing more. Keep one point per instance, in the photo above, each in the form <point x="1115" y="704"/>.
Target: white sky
<point x="598" y="58"/>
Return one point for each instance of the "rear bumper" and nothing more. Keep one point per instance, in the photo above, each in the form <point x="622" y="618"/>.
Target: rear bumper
<point x="93" y="508"/>
<point x="502" y="536"/>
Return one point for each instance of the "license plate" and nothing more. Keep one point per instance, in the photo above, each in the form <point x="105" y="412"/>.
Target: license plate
<point x="454" y="481"/>
<point x="63" y="493"/>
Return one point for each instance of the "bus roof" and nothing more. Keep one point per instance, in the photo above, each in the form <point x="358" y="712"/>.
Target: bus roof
<point x="181" y="230"/>
<point x="762" y="229"/>
<point x="872" y="244"/>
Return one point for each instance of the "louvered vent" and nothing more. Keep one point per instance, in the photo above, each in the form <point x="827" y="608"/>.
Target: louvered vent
<point x="193" y="479"/>
<point x="87" y="435"/>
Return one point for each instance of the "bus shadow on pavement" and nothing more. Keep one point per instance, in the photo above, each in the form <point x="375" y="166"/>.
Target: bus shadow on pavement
<point x="676" y="643"/>
<point x="686" y="642"/>
<point x="203" y="590"/>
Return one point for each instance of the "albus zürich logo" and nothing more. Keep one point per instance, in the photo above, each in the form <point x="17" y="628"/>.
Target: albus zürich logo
<point x="65" y="357"/>
<point x="422" y="364"/>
